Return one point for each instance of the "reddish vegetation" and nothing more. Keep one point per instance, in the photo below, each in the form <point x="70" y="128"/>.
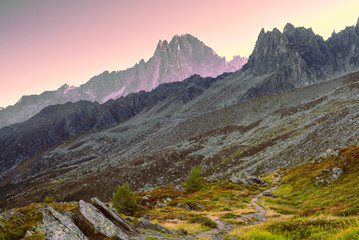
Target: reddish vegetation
<point x="225" y="130"/>
<point x="285" y="112"/>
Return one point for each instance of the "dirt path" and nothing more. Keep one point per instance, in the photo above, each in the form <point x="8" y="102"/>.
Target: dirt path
<point x="251" y="218"/>
<point x="216" y="232"/>
<point x="260" y="213"/>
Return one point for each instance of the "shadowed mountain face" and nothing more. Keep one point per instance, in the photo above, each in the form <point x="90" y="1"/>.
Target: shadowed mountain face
<point x="297" y="58"/>
<point x="218" y="123"/>
<point x="57" y="123"/>
<point x="182" y="57"/>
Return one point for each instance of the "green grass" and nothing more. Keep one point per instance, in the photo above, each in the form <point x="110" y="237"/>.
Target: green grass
<point x="339" y="198"/>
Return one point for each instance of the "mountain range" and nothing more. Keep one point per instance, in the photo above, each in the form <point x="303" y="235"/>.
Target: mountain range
<point x="172" y="61"/>
<point x="296" y="90"/>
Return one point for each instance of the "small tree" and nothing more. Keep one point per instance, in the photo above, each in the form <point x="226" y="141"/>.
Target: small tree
<point x="124" y="202"/>
<point x="193" y="181"/>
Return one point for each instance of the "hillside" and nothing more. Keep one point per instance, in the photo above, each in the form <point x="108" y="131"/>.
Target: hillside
<point x="254" y="137"/>
<point x="315" y="200"/>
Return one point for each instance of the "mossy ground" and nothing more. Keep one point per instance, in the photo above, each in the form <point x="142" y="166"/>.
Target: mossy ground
<point x="214" y="200"/>
<point x="306" y="209"/>
<point x="15" y="222"/>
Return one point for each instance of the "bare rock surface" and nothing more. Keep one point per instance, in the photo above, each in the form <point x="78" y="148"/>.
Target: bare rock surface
<point x="113" y="215"/>
<point x="100" y="222"/>
<point x="60" y="226"/>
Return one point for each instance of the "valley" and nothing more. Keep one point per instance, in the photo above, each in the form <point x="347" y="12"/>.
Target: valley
<point x="275" y="144"/>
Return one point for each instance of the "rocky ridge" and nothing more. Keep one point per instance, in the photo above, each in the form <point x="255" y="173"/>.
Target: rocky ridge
<point x="172" y="61"/>
<point x="297" y="57"/>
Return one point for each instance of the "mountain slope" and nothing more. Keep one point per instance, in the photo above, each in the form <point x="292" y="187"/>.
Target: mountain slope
<point x="59" y="122"/>
<point x="254" y="137"/>
<point x="200" y="121"/>
<point x="182" y="57"/>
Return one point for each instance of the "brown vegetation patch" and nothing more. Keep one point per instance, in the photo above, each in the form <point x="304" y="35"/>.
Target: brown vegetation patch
<point x="225" y="130"/>
<point x="285" y="112"/>
<point x="77" y="145"/>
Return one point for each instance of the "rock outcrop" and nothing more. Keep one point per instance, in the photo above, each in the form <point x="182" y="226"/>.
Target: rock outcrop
<point x="100" y="222"/>
<point x="95" y="220"/>
<point x="60" y="226"/>
<point x="112" y="214"/>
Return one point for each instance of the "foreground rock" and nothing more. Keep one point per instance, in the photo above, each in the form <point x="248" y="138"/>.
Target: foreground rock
<point x="114" y="216"/>
<point x="60" y="226"/>
<point x="100" y="222"/>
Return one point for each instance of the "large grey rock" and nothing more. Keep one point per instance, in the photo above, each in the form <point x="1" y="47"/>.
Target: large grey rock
<point x="161" y="228"/>
<point x="60" y="226"/>
<point x="146" y="224"/>
<point x="329" y="153"/>
<point x="256" y="181"/>
<point x="100" y="222"/>
<point x="336" y="173"/>
<point x="113" y="215"/>
<point x="269" y="194"/>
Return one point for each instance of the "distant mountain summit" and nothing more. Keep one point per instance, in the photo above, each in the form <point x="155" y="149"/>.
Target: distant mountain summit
<point x="177" y="60"/>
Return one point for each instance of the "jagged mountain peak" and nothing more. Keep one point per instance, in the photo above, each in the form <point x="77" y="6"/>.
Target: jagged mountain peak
<point x="261" y="33"/>
<point x="288" y="27"/>
<point x="63" y="87"/>
<point x="298" y="57"/>
<point x="172" y="61"/>
<point x="161" y="47"/>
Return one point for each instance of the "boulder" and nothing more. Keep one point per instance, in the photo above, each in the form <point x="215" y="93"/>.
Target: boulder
<point x="269" y="194"/>
<point x="237" y="180"/>
<point x="60" y="226"/>
<point x="113" y="215"/>
<point x="336" y="173"/>
<point x="162" y="205"/>
<point x="161" y="228"/>
<point x="256" y="181"/>
<point x="146" y="224"/>
<point x="329" y="153"/>
<point x="198" y="206"/>
<point x="100" y="222"/>
<point x="322" y="182"/>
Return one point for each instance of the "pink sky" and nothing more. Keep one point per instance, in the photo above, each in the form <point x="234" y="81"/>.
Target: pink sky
<point x="46" y="43"/>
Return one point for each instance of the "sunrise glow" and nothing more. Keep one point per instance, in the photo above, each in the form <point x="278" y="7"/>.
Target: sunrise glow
<point x="45" y="44"/>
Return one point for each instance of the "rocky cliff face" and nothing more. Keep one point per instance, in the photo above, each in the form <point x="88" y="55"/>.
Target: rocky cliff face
<point x="182" y="57"/>
<point x="297" y="57"/>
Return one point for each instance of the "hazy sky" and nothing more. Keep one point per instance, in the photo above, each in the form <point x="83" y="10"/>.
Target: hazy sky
<point x="46" y="43"/>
